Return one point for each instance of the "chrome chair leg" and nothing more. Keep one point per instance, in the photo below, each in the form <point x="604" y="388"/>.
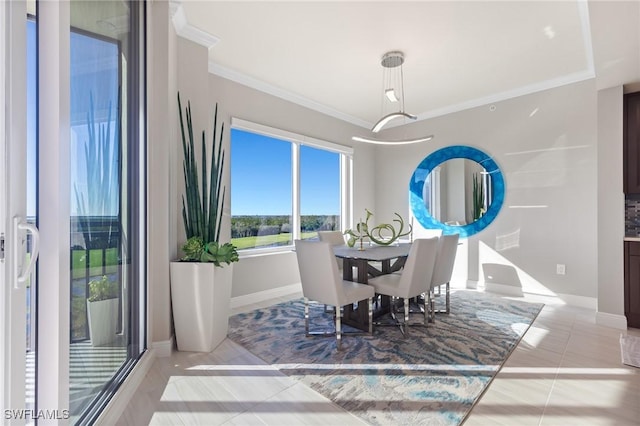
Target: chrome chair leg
<point x="448" y="299"/>
<point x="371" y="315"/>
<point x="338" y="327"/>
<point x="406" y="317"/>
<point x="306" y="316"/>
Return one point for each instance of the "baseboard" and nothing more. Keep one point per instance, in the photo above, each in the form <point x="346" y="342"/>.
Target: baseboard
<point x="590" y="303"/>
<point x="260" y="296"/>
<point x="611" y="320"/>
<point x="507" y="290"/>
<point x="116" y="406"/>
<point x="579" y="301"/>
<point x="164" y="348"/>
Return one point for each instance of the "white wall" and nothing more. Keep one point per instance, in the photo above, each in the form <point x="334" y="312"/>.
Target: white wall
<point x="610" y="204"/>
<point x="546" y="146"/>
<point x="161" y="128"/>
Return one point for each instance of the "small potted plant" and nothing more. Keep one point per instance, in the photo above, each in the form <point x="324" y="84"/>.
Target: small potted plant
<point x="102" y="310"/>
<point x="201" y="280"/>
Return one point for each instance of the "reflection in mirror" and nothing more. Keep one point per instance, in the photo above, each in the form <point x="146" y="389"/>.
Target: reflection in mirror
<point x="457" y="192"/>
<point x="458" y="189"/>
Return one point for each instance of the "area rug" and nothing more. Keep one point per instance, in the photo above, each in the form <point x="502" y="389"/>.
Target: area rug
<point x="432" y="377"/>
<point x="630" y="350"/>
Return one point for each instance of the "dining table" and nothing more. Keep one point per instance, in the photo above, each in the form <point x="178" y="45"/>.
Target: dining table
<point x="369" y="259"/>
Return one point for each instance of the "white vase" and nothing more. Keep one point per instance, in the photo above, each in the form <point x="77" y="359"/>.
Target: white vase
<point x="103" y="318"/>
<point x="200" y="298"/>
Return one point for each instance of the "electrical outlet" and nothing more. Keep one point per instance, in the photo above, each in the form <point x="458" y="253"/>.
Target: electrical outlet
<point x="560" y="269"/>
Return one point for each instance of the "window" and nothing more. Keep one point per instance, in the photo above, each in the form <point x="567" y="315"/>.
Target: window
<point x="319" y="191"/>
<point x="284" y="186"/>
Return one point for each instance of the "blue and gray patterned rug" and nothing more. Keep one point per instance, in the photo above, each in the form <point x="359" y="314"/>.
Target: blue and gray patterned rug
<point x="432" y="377"/>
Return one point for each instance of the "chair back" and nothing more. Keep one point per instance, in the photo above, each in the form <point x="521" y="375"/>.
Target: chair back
<point x="445" y="258"/>
<point x="319" y="274"/>
<point x="418" y="270"/>
<point x="335" y="238"/>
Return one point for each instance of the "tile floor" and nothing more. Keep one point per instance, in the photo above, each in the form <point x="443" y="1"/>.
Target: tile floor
<point x="565" y="371"/>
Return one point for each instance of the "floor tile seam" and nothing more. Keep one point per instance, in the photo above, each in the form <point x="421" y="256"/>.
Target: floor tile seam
<point x="250" y="410"/>
<point x="553" y="384"/>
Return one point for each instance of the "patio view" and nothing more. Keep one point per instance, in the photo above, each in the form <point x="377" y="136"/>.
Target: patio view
<point x="101" y="216"/>
<point x="263" y="166"/>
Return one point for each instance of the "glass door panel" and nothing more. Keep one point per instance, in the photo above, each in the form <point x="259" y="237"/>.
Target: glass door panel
<point x="101" y="178"/>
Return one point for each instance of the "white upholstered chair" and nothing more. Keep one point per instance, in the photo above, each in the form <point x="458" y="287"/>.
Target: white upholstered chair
<point x="335" y="238"/>
<point x="412" y="281"/>
<point x="321" y="282"/>
<point x="442" y="271"/>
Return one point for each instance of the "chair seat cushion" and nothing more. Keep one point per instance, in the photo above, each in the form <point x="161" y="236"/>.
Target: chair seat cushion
<point x="387" y="284"/>
<point x="354" y="292"/>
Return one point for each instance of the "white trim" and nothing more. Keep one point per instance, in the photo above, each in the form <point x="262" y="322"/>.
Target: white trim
<point x="585" y="302"/>
<point x="116" y="406"/>
<point x="590" y="303"/>
<point x="239" y="123"/>
<point x="163" y="348"/>
<point x="509" y="94"/>
<point x="54" y="193"/>
<point x="261" y="296"/>
<point x="611" y="320"/>
<point x="507" y="290"/>
<point x="585" y="24"/>
<point x="278" y="92"/>
<point x="188" y="31"/>
<point x="295" y="191"/>
<point x="4" y="307"/>
<point x="257" y="252"/>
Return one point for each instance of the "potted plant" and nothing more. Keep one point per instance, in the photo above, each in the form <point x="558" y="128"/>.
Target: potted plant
<point x="200" y="281"/>
<point x="102" y="310"/>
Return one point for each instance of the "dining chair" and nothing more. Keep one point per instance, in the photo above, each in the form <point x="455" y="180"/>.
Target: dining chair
<point x="442" y="271"/>
<point x="322" y="283"/>
<point x="335" y="238"/>
<point x="412" y="281"/>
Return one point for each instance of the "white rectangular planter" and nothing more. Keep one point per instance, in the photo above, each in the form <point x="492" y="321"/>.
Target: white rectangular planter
<point x="200" y="297"/>
<point x="103" y="318"/>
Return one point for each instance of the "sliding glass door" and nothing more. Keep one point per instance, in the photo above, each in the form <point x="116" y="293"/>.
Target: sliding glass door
<point x="77" y="170"/>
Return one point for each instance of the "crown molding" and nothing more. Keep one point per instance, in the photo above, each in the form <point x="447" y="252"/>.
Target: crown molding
<point x="189" y="32"/>
<point x="186" y="30"/>
<point x="270" y="89"/>
<point x="510" y="94"/>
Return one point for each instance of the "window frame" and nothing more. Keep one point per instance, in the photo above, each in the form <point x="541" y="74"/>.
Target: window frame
<point x="297" y="140"/>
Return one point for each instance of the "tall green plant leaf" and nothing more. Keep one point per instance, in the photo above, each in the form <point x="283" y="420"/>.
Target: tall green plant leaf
<point x="203" y="200"/>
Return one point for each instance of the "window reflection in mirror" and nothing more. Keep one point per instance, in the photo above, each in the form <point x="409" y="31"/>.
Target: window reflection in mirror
<point x="457" y="192"/>
<point x="431" y="195"/>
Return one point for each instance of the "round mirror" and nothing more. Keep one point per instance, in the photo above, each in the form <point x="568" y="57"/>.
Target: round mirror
<point x="458" y="189"/>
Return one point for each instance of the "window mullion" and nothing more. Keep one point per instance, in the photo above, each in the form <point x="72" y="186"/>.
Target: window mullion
<point x="295" y="188"/>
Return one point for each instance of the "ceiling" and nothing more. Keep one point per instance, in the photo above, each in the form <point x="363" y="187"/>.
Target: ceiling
<point x="326" y="54"/>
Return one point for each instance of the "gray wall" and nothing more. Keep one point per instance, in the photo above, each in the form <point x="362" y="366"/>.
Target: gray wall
<point x="254" y="274"/>
<point x="546" y="146"/>
<point x="161" y="128"/>
<point x="558" y="207"/>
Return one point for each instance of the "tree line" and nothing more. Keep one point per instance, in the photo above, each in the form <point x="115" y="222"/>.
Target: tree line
<point x="253" y="226"/>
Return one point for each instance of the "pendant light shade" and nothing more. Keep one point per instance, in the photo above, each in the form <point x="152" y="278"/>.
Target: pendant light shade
<point x="393" y="93"/>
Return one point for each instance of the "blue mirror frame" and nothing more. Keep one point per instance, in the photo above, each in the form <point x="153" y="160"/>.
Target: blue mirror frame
<point x="433" y="160"/>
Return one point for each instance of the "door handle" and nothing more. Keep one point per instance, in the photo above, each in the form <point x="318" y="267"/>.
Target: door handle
<point x="20" y="225"/>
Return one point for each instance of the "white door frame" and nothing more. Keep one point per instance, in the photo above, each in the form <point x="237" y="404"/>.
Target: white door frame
<point x="53" y="199"/>
<point x="14" y="146"/>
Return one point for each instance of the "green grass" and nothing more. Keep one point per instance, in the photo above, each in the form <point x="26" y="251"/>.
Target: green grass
<point x="78" y="262"/>
<point x="268" y="240"/>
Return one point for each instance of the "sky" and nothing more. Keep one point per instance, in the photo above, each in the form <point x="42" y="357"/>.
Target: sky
<point x="261" y="177"/>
